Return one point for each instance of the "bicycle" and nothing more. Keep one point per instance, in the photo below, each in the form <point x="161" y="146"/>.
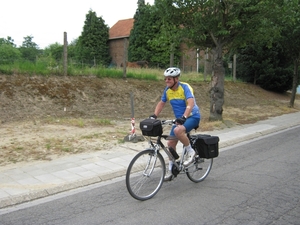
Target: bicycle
<point x="146" y="171"/>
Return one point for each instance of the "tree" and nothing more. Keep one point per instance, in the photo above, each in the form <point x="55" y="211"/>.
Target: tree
<point x="93" y="45"/>
<point x="221" y="25"/>
<point x="151" y="38"/>
<point x="141" y="33"/>
<point x="290" y="22"/>
<point x="166" y="42"/>
<point x="9" y="41"/>
<point x="265" y="66"/>
<point x="72" y="49"/>
<point x="8" y="53"/>
<point x="54" y="51"/>
<point x="29" y="49"/>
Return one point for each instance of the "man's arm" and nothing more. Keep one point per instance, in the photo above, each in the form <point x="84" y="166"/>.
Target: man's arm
<point x="160" y="105"/>
<point x="189" y="107"/>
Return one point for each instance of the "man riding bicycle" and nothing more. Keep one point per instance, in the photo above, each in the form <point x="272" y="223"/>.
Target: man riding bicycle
<point x="187" y="114"/>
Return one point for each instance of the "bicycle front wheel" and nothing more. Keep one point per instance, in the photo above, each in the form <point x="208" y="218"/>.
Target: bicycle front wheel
<point x="199" y="170"/>
<point x="145" y="174"/>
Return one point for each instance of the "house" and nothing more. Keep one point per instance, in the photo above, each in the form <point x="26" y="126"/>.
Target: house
<point x="118" y="41"/>
<point x="118" y="44"/>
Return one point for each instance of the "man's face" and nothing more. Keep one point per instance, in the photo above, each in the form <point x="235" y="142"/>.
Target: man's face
<point x="170" y="81"/>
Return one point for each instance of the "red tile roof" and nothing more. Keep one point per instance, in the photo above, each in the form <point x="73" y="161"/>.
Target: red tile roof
<point x="121" y="29"/>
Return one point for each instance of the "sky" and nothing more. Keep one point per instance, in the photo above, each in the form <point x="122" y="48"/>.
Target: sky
<point x="46" y="21"/>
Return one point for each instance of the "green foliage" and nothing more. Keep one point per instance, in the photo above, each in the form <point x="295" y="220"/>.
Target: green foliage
<point x="9" y="54"/>
<point x="28" y="43"/>
<point x="8" y="41"/>
<point x="8" y="51"/>
<point x="270" y="65"/>
<point x="92" y="44"/>
<point x="148" y="40"/>
<point x="290" y="41"/>
<point x="72" y="49"/>
<point x="140" y="34"/>
<point x="166" y="41"/>
<point x="276" y="79"/>
<point x="265" y="66"/>
<point x="54" y="51"/>
<point x="29" y="49"/>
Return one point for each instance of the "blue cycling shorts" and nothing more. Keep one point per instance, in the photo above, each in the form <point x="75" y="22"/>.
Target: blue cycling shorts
<point x="189" y="125"/>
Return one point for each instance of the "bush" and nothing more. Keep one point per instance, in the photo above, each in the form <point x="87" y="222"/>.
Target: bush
<point x="278" y="80"/>
<point x="9" y="54"/>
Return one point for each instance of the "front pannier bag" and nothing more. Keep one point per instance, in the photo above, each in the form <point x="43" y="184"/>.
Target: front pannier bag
<point x="207" y="146"/>
<point x="151" y="127"/>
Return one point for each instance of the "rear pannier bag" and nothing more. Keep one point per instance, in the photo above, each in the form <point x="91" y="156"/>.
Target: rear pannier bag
<point x="207" y="146"/>
<point x="151" y="127"/>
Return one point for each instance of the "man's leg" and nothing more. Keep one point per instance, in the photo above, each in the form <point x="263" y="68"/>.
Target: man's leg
<point x="180" y="132"/>
<point x="171" y="143"/>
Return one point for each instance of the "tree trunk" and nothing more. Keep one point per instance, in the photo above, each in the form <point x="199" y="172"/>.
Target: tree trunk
<point x="217" y="89"/>
<point x="295" y="83"/>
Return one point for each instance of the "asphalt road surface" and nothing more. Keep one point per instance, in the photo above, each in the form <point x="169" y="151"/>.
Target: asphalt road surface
<point x="256" y="182"/>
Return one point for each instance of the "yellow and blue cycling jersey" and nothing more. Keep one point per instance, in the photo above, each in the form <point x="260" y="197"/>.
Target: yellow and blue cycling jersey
<point x="178" y="99"/>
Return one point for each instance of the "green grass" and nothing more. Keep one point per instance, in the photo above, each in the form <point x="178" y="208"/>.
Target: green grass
<point x="43" y="68"/>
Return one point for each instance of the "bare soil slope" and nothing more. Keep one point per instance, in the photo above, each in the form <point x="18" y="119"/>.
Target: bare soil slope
<point x="46" y="117"/>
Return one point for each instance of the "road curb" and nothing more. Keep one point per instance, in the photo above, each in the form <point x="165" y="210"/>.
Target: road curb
<point x="34" y="195"/>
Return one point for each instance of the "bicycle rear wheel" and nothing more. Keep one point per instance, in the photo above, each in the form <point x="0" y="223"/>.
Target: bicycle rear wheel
<point x="145" y="175"/>
<point x="199" y="170"/>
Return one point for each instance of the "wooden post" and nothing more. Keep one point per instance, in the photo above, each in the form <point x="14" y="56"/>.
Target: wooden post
<point x="65" y="60"/>
<point x="234" y="67"/>
<point x="132" y="134"/>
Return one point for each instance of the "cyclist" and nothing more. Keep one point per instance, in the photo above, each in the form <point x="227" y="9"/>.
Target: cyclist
<point x="187" y="114"/>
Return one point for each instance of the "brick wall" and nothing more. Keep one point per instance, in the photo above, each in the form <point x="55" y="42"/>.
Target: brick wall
<point x="116" y="51"/>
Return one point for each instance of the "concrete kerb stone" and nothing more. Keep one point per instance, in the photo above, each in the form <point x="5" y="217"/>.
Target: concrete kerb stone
<point x="34" y="195"/>
<point x="18" y="199"/>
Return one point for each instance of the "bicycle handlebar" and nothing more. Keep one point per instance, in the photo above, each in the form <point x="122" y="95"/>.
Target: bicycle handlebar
<point x="169" y="122"/>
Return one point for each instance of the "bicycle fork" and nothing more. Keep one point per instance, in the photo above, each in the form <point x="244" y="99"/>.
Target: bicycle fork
<point x="151" y="162"/>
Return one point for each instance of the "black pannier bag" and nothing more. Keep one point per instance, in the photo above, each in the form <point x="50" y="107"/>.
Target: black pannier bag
<point x="206" y="145"/>
<point x="151" y="127"/>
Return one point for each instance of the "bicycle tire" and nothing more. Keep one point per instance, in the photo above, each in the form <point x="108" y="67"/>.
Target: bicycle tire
<point x="139" y="185"/>
<point x="199" y="170"/>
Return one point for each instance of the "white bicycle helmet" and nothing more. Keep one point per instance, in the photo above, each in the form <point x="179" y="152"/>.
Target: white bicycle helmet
<point x="172" y="71"/>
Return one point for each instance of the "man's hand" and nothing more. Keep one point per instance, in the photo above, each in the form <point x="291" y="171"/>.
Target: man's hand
<point x="180" y="120"/>
<point x="153" y="117"/>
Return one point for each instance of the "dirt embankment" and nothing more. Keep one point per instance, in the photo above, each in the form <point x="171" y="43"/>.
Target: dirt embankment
<point x="45" y="117"/>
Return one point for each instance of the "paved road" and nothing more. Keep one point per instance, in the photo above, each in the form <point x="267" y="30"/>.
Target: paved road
<point x="256" y="182"/>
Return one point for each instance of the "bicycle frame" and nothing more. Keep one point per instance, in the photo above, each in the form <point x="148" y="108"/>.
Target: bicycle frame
<point x="160" y="145"/>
